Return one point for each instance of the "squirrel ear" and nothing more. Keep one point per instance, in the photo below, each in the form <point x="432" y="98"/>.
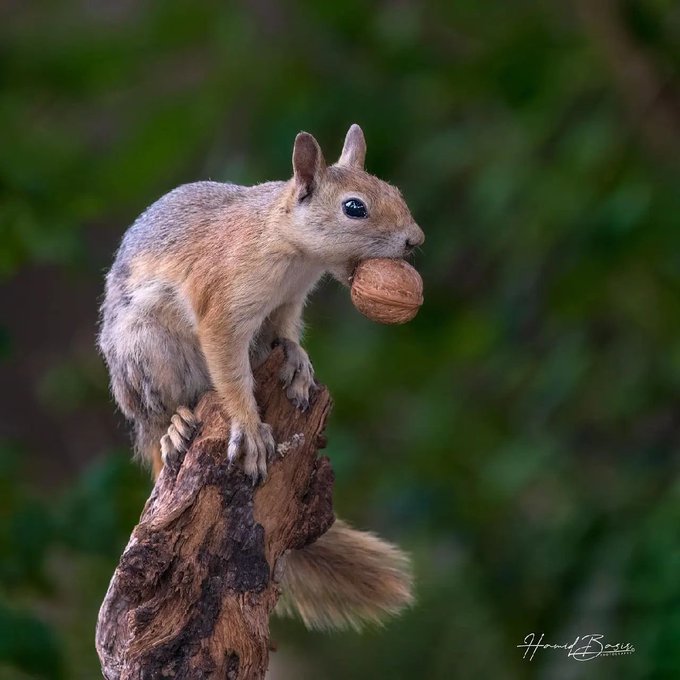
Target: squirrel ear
<point x="354" y="150"/>
<point x="308" y="164"/>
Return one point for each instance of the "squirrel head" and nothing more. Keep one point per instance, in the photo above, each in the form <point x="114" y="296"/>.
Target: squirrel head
<point x="341" y="214"/>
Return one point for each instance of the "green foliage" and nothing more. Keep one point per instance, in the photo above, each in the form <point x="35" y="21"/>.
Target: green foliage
<point x="27" y="645"/>
<point x="96" y="514"/>
<point x="25" y="528"/>
<point x="518" y="437"/>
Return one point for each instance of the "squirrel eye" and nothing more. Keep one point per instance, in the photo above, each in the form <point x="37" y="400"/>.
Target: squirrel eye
<point x="353" y="207"/>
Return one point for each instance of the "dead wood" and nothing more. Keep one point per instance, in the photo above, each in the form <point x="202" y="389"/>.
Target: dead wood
<point x="194" y="589"/>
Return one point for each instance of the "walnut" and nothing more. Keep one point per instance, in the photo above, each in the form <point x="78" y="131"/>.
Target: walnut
<point x="387" y="291"/>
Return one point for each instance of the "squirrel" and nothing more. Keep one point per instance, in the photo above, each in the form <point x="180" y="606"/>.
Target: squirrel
<point x="205" y="282"/>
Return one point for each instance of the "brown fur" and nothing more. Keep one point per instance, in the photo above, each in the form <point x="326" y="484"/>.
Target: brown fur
<point x="345" y="579"/>
<point x="211" y="275"/>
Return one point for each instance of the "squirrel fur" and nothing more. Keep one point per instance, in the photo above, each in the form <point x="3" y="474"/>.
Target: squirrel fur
<point x="204" y="283"/>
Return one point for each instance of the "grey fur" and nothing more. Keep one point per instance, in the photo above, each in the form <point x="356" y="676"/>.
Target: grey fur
<point x="212" y="263"/>
<point x="139" y="344"/>
<point x="204" y="281"/>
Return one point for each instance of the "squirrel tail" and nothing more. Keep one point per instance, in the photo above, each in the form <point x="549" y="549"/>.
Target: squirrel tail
<point x="345" y="579"/>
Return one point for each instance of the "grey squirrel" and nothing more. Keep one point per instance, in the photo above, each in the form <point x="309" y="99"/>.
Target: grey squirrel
<point x="205" y="281"/>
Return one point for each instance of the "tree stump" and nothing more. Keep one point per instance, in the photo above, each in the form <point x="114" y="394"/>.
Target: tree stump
<point x="194" y="589"/>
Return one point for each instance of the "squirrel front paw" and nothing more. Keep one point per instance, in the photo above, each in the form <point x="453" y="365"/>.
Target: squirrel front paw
<point x="297" y="374"/>
<point x="175" y="443"/>
<point x="255" y="445"/>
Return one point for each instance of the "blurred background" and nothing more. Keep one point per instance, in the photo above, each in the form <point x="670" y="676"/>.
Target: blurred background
<point x="520" y="437"/>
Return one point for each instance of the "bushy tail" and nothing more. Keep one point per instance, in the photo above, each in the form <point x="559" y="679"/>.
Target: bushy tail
<point x="345" y="579"/>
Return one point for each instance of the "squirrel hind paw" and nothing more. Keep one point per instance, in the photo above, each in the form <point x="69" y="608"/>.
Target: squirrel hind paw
<point x="255" y="446"/>
<point x="181" y="432"/>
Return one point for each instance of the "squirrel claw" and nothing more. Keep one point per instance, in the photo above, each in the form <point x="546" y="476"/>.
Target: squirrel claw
<point x="297" y="374"/>
<point x="301" y="403"/>
<point x="177" y="440"/>
<point x="254" y="446"/>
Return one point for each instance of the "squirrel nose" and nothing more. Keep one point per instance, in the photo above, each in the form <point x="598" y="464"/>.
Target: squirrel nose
<point x="414" y="239"/>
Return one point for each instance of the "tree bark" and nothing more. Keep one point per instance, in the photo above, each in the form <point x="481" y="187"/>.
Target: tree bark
<point x="194" y="589"/>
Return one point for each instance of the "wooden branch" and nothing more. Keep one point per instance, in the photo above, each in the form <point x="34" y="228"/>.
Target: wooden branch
<point x="194" y="589"/>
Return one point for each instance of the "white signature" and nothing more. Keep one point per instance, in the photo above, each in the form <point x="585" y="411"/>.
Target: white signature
<point x="583" y="648"/>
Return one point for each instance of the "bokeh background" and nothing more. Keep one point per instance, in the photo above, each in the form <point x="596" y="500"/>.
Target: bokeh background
<point x="520" y="438"/>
